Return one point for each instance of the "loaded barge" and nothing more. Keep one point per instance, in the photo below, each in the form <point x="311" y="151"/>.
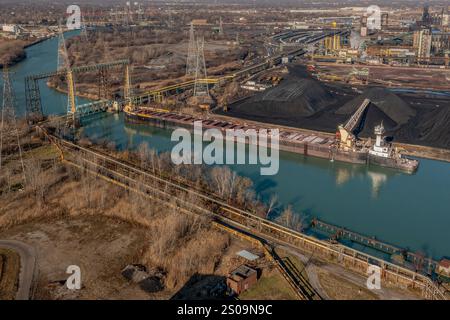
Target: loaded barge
<point x="305" y="143"/>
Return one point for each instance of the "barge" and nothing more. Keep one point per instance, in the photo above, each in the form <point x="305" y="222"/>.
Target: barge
<point x="305" y="143"/>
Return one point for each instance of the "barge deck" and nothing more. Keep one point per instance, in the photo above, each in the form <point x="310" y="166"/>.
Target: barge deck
<point x="308" y="144"/>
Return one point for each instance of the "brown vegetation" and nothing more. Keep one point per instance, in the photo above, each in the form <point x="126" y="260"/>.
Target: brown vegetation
<point x="11" y="51"/>
<point x="156" y="55"/>
<point x="9" y="274"/>
<point x="338" y="288"/>
<point x="180" y="245"/>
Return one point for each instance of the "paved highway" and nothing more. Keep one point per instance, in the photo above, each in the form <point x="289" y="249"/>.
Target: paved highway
<point x="27" y="266"/>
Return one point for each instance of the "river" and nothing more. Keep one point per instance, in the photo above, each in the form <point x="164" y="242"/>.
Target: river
<point x="411" y="211"/>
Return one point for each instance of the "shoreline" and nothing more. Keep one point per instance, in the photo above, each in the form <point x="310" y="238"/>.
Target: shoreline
<point x="23" y="56"/>
<point x="414" y="150"/>
<point x="60" y="90"/>
<point x="15" y="61"/>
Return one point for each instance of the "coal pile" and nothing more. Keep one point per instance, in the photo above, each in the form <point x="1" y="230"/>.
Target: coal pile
<point x="302" y="97"/>
<point x="295" y="97"/>
<point x="302" y="102"/>
<point x="385" y="107"/>
<point x="435" y="129"/>
<point x="373" y="117"/>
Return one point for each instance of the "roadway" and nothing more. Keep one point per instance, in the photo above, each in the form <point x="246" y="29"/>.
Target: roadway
<point x="27" y="266"/>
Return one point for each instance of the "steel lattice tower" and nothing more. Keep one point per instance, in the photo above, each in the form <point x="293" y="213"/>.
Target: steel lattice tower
<point x="63" y="57"/>
<point x="84" y="32"/>
<point x="220" y="27"/>
<point x="191" y="61"/>
<point x="8" y="125"/>
<point x="201" y="87"/>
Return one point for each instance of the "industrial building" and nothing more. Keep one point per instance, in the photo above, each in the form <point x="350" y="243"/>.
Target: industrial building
<point x="422" y="44"/>
<point x="241" y="279"/>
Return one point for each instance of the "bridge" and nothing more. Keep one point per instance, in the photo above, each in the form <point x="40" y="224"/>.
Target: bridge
<point x="33" y="95"/>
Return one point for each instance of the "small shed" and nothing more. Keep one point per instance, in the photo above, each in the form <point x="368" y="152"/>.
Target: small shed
<point x="241" y="279"/>
<point x="247" y="255"/>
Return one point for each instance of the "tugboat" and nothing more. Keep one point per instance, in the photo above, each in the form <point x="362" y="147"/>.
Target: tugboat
<point x="384" y="154"/>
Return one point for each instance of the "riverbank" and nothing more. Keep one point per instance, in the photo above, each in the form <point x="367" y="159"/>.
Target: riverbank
<point x="12" y="52"/>
<point x="419" y="151"/>
<point x="64" y="91"/>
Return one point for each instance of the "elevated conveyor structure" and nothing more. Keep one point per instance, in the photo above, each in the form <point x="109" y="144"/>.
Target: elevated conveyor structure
<point x="346" y="133"/>
<point x="33" y="96"/>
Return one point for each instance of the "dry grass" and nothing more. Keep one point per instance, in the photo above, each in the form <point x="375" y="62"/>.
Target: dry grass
<point x="271" y="286"/>
<point x="180" y="245"/>
<point x="340" y="289"/>
<point x="9" y="274"/>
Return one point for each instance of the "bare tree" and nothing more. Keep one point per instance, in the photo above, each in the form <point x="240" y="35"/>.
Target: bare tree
<point x="290" y="219"/>
<point x="272" y="205"/>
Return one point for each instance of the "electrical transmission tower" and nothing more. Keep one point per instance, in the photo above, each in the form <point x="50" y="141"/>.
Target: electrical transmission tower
<point x="63" y="57"/>
<point x="201" y="87"/>
<point x="191" y="61"/>
<point x="170" y="22"/>
<point x="126" y="17"/>
<point x="140" y="13"/>
<point x="128" y="14"/>
<point x="220" y="27"/>
<point x="84" y="32"/>
<point x="8" y="126"/>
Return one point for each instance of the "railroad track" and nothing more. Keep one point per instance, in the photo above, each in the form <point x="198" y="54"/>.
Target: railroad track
<point x="191" y="199"/>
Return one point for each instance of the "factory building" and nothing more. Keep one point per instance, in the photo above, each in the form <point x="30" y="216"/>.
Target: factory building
<point x="422" y="43"/>
<point x="11" y="28"/>
<point x="440" y="42"/>
<point x="364" y="26"/>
